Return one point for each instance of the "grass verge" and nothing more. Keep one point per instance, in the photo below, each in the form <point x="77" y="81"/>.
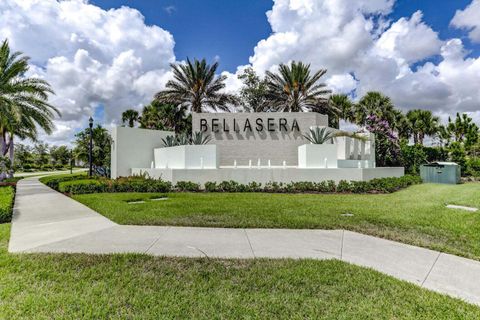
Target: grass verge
<point x="48" y="286"/>
<point x="416" y="215"/>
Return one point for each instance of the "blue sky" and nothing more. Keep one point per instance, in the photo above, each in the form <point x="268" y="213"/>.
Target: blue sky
<point x="207" y="28"/>
<point x="235" y="27"/>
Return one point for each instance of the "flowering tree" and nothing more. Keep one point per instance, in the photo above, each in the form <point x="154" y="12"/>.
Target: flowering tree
<point x="387" y="146"/>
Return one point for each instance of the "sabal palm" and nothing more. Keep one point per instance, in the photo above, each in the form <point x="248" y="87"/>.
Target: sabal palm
<point x="23" y="101"/>
<point x="130" y="116"/>
<point x="196" y="87"/>
<point x="294" y="89"/>
<point x="341" y="108"/>
<point x="164" y="117"/>
<point x="422" y="123"/>
<point x="375" y="104"/>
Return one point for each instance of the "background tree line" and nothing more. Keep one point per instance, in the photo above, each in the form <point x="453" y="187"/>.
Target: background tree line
<point x="295" y="87"/>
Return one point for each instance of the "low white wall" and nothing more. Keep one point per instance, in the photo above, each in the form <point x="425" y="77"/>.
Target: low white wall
<point x="133" y="148"/>
<point x="317" y="156"/>
<point x="356" y="164"/>
<point x="265" y="175"/>
<point x="187" y="157"/>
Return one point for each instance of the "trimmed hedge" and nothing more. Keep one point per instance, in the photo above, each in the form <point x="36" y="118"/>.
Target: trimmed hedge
<point x="142" y="184"/>
<point x="130" y="184"/>
<point x="54" y="181"/>
<point x="383" y="185"/>
<point x="7" y="196"/>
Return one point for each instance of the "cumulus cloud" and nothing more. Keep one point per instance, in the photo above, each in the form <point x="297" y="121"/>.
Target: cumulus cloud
<point x="469" y="19"/>
<point x="92" y="57"/>
<point x="113" y="60"/>
<point x="363" y="50"/>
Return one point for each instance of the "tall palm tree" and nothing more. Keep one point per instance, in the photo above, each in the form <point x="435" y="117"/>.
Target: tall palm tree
<point x="375" y="104"/>
<point x="23" y="101"/>
<point x="165" y="117"/>
<point x="422" y="123"/>
<point x="130" y="116"/>
<point x="341" y="109"/>
<point x="196" y="87"/>
<point x="295" y="89"/>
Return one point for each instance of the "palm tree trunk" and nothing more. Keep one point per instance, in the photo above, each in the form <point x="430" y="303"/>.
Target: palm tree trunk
<point x="11" y="156"/>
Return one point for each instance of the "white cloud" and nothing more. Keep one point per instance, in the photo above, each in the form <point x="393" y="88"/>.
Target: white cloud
<point x="469" y="19"/>
<point x="90" y="56"/>
<point x="408" y="40"/>
<point x="112" y="59"/>
<point x="364" y="51"/>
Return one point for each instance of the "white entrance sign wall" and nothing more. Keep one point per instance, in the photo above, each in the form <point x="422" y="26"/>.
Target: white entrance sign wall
<point x="245" y="137"/>
<point x="133" y="148"/>
<point x="248" y="147"/>
<point x="186" y="157"/>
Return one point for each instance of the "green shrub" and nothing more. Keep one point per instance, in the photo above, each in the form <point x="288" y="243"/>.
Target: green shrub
<point x="128" y="184"/>
<point x="187" y="186"/>
<point x="82" y="186"/>
<point x="54" y="181"/>
<point x="344" y="186"/>
<point x="7" y="195"/>
<point x="473" y="167"/>
<point x="211" y="186"/>
<point x="228" y="186"/>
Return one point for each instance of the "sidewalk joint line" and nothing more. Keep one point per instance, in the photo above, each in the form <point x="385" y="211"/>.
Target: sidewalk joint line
<point x="156" y="240"/>
<point x="249" y="243"/>
<point x="429" y="271"/>
<point x="341" y="249"/>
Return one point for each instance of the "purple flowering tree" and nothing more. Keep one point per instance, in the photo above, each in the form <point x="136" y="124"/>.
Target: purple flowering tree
<point x="387" y="146"/>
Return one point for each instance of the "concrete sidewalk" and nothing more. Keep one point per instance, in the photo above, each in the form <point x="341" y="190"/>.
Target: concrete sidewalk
<point x="47" y="221"/>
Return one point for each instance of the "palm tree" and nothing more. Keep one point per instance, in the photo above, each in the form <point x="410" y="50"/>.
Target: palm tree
<point x="196" y="87"/>
<point x="165" y="117"/>
<point x="375" y="104"/>
<point x="341" y="108"/>
<point x="422" y="123"/>
<point x="23" y="101"/>
<point x="130" y="116"/>
<point x="295" y="89"/>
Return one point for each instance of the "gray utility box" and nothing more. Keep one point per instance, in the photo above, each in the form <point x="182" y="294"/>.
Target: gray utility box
<point x="440" y="172"/>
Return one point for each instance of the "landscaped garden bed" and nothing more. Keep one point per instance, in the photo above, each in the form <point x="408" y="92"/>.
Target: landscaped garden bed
<point x="78" y="184"/>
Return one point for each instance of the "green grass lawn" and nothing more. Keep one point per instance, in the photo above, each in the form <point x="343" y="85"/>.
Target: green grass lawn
<point x="53" y="286"/>
<point x="416" y="215"/>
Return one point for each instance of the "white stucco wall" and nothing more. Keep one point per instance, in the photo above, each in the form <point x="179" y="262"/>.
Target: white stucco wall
<point x="265" y="175"/>
<point x="187" y="157"/>
<point x="133" y="148"/>
<point x="317" y="156"/>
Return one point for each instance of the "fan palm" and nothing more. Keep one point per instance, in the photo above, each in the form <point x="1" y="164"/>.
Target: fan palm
<point x="295" y="89"/>
<point x="165" y="117"/>
<point x="23" y="101"/>
<point x="196" y="87"/>
<point x="130" y="116"/>
<point x="422" y="123"/>
<point x="375" y="104"/>
<point x="341" y="108"/>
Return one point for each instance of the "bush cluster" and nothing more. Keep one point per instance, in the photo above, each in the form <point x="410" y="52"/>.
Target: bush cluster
<point x="143" y="184"/>
<point x="383" y="185"/>
<point x="128" y="184"/>
<point x="7" y="195"/>
<point x="54" y="181"/>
